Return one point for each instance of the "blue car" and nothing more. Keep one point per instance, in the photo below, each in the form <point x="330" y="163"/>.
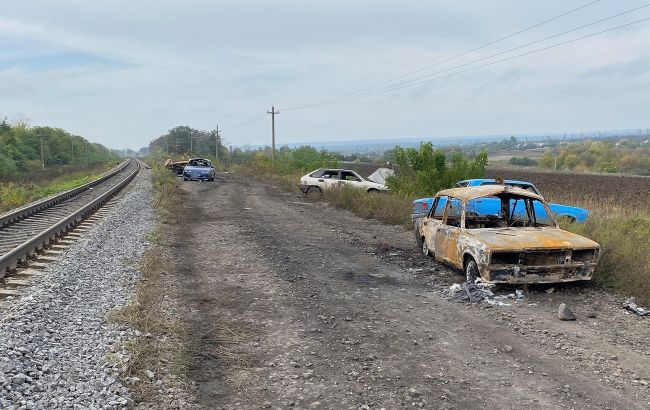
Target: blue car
<point x="198" y="169"/>
<point x="574" y="214"/>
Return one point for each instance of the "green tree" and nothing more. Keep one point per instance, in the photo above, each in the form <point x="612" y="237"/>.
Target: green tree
<point x="424" y="171"/>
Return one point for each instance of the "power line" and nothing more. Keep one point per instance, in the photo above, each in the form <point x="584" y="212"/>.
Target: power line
<point x="448" y="59"/>
<point x="502" y="60"/>
<point x="418" y="80"/>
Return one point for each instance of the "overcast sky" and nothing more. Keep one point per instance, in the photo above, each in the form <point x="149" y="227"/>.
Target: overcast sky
<point x="123" y="72"/>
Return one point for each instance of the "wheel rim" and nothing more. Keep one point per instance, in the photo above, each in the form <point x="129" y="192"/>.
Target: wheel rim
<point x="471" y="271"/>
<point x="425" y="248"/>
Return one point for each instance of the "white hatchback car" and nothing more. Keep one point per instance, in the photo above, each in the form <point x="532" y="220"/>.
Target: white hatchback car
<point x="325" y="178"/>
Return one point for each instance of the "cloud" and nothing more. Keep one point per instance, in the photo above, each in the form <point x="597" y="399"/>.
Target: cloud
<point x="124" y="72"/>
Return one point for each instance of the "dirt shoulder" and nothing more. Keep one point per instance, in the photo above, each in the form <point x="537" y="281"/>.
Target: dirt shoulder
<point x="291" y="303"/>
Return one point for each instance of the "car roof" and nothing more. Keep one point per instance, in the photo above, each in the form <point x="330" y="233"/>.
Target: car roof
<point x="473" y="192"/>
<point x="507" y="181"/>
<point x="335" y="169"/>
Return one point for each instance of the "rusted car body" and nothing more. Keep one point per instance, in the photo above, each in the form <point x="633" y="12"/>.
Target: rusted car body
<point x="175" y="166"/>
<point x="519" y="243"/>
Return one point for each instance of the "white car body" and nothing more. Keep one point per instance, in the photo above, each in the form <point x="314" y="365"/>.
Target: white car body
<point x="327" y="178"/>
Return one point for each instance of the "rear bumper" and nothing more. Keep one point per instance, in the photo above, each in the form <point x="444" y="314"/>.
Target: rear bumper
<point x="569" y="272"/>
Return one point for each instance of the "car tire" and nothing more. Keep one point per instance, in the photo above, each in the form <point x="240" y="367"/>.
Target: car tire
<point x="471" y="270"/>
<point x="425" y="249"/>
<point x="314" y="192"/>
<point x="373" y="191"/>
<point x="184" y="179"/>
<point x="418" y="238"/>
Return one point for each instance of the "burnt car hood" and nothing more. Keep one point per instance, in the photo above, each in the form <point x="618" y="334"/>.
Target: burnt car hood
<point x="531" y="238"/>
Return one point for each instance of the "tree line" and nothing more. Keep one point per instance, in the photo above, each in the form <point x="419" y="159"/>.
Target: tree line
<point x="626" y="155"/>
<point x="184" y="140"/>
<point x="21" y="147"/>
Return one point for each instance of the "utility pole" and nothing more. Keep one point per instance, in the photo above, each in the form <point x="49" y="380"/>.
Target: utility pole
<point x="216" y="143"/>
<point x="273" y="114"/>
<point x="42" y="137"/>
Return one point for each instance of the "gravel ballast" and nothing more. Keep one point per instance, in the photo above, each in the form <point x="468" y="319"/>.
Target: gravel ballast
<point x="55" y="341"/>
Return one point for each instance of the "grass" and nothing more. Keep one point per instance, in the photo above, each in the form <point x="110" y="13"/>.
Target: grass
<point x="387" y="208"/>
<point x="622" y="232"/>
<point x="161" y="344"/>
<point x="17" y="194"/>
<point x="625" y="253"/>
<point x="384" y="207"/>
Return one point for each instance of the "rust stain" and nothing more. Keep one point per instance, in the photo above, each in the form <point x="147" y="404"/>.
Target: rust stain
<point x="526" y="254"/>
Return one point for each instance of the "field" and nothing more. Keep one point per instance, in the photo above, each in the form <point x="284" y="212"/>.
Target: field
<point x="608" y="194"/>
<point x="605" y="194"/>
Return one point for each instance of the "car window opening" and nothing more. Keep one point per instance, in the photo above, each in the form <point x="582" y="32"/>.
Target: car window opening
<point x="506" y="211"/>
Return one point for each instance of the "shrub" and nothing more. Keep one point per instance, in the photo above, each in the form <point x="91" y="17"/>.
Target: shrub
<point x="424" y="171"/>
<point x="522" y="161"/>
<point x="625" y="254"/>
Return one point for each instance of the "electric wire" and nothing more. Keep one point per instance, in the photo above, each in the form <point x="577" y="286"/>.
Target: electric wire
<point x="448" y="59"/>
<point x="500" y="61"/>
<point x="418" y="80"/>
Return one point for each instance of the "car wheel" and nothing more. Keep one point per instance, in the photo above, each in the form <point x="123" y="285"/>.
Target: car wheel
<point x="314" y="192"/>
<point x="425" y="249"/>
<point x="471" y="270"/>
<point x="373" y="191"/>
<point x="184" y="179"/>
<point x="418" y="238"/>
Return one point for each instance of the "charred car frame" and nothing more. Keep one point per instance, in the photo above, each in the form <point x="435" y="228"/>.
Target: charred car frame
<point x="517" y="241"/>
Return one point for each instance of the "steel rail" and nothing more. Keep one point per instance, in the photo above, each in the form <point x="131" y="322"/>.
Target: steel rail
<point x="21" y="253"/>
<point x="40" y="205"/>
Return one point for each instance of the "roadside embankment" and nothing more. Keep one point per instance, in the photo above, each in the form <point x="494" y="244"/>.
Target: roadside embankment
<point x="57" y="349"/>
<point x="14" y="194"/>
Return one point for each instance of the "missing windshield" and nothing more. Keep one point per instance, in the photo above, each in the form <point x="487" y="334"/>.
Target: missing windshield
<point x="506" y="211"/>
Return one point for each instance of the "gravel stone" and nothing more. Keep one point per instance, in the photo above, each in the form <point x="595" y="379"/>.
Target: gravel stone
<point x="564" y="313"/>
<point x="55" y="339"/>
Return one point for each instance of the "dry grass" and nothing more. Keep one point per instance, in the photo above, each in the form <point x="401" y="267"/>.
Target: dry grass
<point x="160" y="346"/>
<point x="621" y="227"/>
<point x="387" y="208"/>
<point x="384" y="207"/>
<point x="625" y="253"/>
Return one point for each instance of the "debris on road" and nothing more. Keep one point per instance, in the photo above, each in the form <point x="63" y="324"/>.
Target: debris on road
<point x="479" y="291"/>
<point x="631" y="305"/>
<point x="564" y="313"/>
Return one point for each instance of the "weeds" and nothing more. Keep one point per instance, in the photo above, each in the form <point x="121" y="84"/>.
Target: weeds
<point x="17" y="194"/>
<point x="160" y="346"/>
<point x="384" y="207"/>
<point x="625" y="253"/>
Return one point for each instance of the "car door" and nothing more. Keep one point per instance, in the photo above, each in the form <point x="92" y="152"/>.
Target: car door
<point x="433" y="221"/>
<point x="446" y="237"/>
<point x="350" y="178"/>
<point x="329" y="179"/>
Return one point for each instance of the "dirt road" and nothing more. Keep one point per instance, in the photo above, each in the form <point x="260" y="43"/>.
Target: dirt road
<point x="296" y="304"/>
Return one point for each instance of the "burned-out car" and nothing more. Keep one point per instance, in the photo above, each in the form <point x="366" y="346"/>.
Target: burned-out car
<point x="503" y="234"/>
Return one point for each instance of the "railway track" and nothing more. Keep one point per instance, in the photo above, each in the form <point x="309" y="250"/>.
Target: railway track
<point x="31" y="229"/>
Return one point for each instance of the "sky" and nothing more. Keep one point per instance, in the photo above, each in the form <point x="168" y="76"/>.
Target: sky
<point x="123" y="72"/>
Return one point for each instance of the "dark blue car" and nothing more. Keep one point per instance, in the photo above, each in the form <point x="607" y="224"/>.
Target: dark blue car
<point x="574" y="214"/>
